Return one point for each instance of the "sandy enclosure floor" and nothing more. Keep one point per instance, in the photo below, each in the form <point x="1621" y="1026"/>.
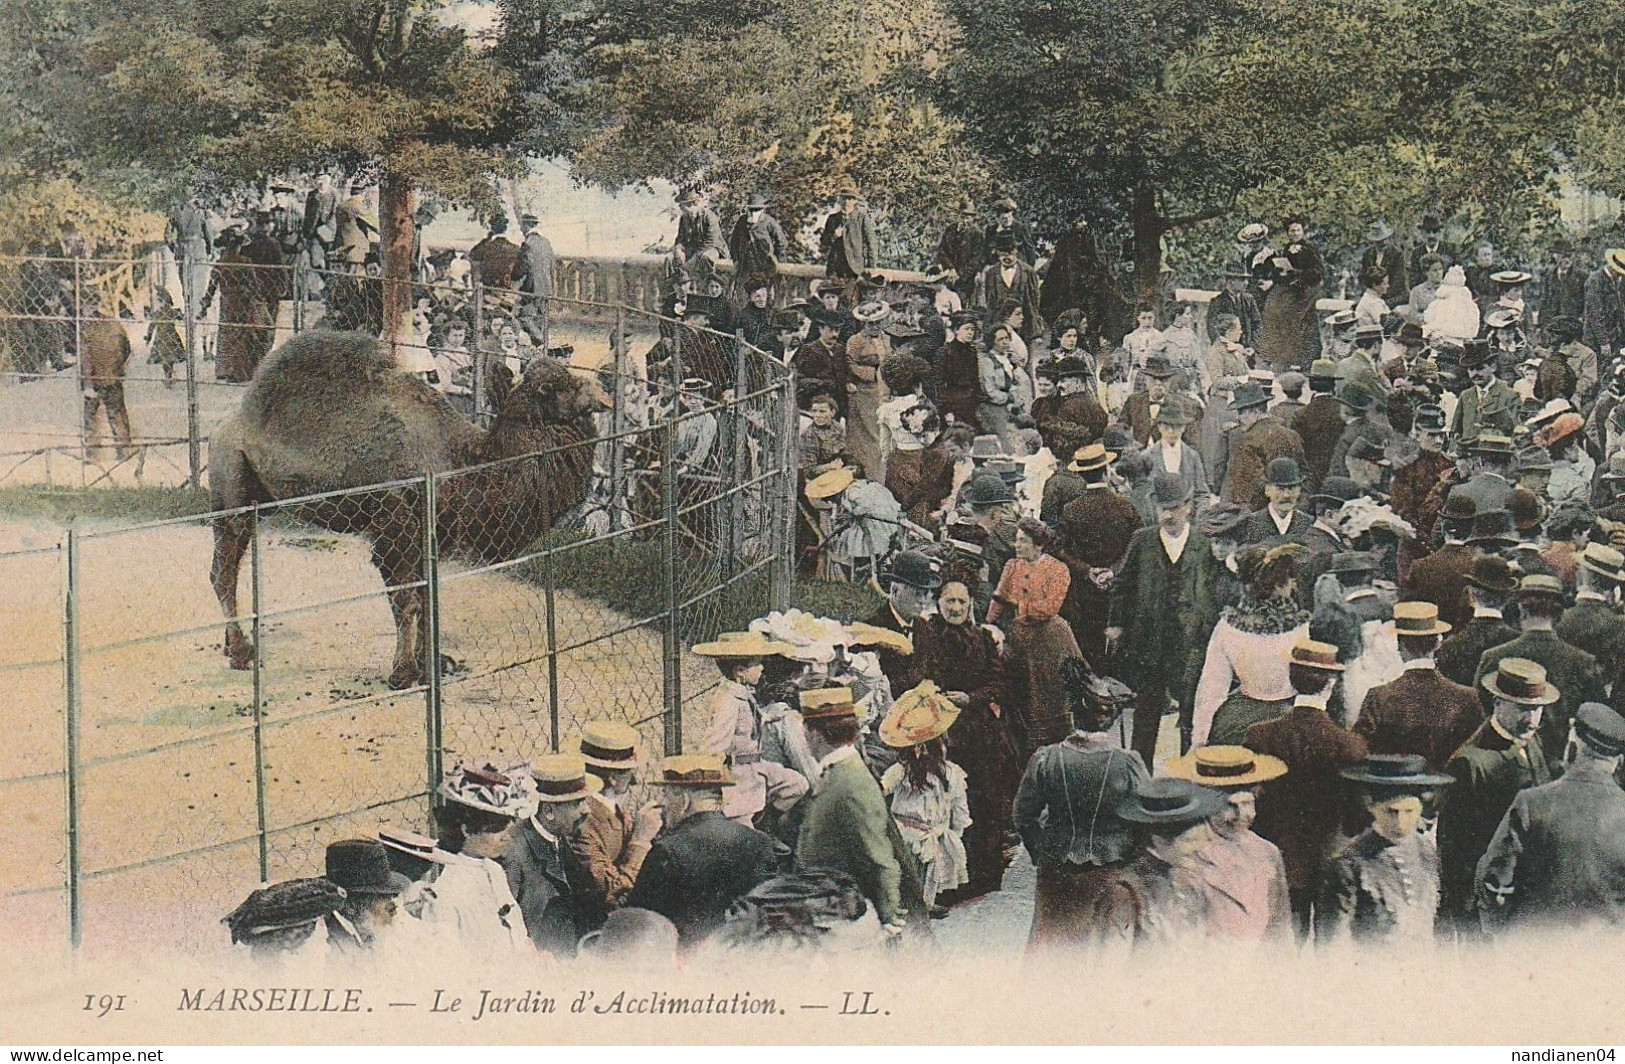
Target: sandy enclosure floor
<point x="167" y="744"/>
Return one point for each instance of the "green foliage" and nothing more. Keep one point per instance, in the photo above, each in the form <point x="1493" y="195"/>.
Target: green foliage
<point x="119" y="505"/>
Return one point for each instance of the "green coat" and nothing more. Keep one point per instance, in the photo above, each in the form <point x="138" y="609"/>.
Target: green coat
<point x="1166" y="611"/>
<point x="847" y="827"/>
<point x="1571" y="670"/>
<point x="1500" y="412"/>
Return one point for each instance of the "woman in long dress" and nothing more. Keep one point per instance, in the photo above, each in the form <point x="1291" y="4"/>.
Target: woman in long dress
<point x="1252" y="647"/>
<point x="1290" y="338"/>
<point x="1033" y="585"/>
<point x="866" y="352"/>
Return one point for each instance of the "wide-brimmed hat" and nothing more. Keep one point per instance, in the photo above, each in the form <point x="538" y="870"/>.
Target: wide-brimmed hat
<point x="695" y="770"/>
<point x="861" y="634"/>
<point x="1248" y="395"/>
<point x="1459" y="507"/>
<point x="1170" y="489"/>
<point x="1158" y="366"/>
<point x="828" y="703"/>
<point x="361" y="866"/>
<point x="1005" y="203"/>
<point x="1503" y="318"/>
<point x="1090" y="457"/>
<point x="1253" y="232"/>
<point x="830" y="483"/>
<point x="914" y="568"/>
<point x="1226" y="767"/>
<point x="1615" y="259"/>
<point x="1396" y="773"/>
<point x="1475" y="353"/>
<point x="1313" y="654"/>
<point x="874" y="310"/>
<point x="1511" y="277"/>
<point x="1418" y="619"/>
<point x="1173" y="412"/>
<point x="1341" y="319"/>
<point x="1493" y="529"/>
<point x="1600" y="728"/>
<point x="938" y="273"/>
<point x="412" y="844"/>
<point x="1071" y="367"/>
<point x="1429" y="417"/>
<point x="1604" y="561"/>
<point x="1561" y="428"/>
<point x="742" y="645"/>
<point x="283" y="906"/>
<point x="1170" y="803"/>
<point x="1522" y="681"/>
<point x="988" y="489"/>
<point x="608" y="744"/>
<point x="1492" y="573"/>
<point x="920" y="715"/>
<point x="1351" y="561"/>
<point x="490" y="789"/>
<point x="1378" y="230"/>
<point x="1554" y="409"/>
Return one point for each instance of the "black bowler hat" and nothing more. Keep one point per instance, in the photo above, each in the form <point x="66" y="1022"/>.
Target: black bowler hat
<point x="1169" y="489"/>
<point x="1005" y="241"/>
<point x="1475" y="353"/>
<point x="1284" y="473"/>
<point x="1600" y="728"/>
<point x="1247" y="396"/>
<point x="1338" y="490"/>
<point x="361" y="866"/>
<point x="1430" y="418"/>
<point x="1493" y="529"/>
<point x="1459" y="506"/>
<point x="913" y="568"/>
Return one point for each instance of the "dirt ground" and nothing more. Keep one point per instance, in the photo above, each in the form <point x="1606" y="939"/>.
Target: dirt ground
<point x="335" y="739"/>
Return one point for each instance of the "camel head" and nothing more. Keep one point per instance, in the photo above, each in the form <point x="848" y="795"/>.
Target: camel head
<point x="550" y="394"/>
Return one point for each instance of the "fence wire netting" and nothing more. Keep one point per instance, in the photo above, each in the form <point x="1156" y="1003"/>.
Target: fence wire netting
<point x="388" y="632"/>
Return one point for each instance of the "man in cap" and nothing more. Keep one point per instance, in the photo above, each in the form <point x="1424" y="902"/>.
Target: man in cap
<point x="1431" y="243"/>
<point x="848" y="240"/>
<point x="1006" y="224"/>
<point x="758" y="242"/>
<point x="1163" y="612"/>
<point x="991" y="501"/>
<point x="1280" y="519"/>
<point x="1241" y="875"/>
<point x="1528" y="514"/>
<point x="1489" y="406"/>
<point x="1009" y="278"/>
<point x="1301" y="813"/>
<point x="1172" y="453"/>
<point x="1062" y="486"/>
<point x="1440" y="578"/>
<point x="1324" y="539"/>
<point x="1419" y="712"/>
<point x="699" y="244"/>
<point x="1557" y="859"/>
<point x="1499" y="760"/>
<point x="1384" y="257"/>
<point x="1286" y="408"/>
<point x="1593" y="624"/>
<point x="610" y="845"/>
<point x="1234" y="299"/>
<point x="847" y="825"/>
<point x="1095" y="531"/>
<point x="1572" y="670"/>
<point x="543" y="871"/>
<point x="963" y="249"/>
<point x="910" y="580"/>
<point x="1261" y="441"/>
<point x="1534" y="470"/>
<point x="1489" y="584"/>
<point x="701" y="862"/>
<point x="534" y="270"/>
<point x="1320" y="424"/>
<point x="1154" y="900"/>
<point x="823" y="360"/>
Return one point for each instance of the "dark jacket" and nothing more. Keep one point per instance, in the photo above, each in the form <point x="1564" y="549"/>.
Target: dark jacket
<point x="1419" y="712"/>
<point x="1441" y="578"/>
<point x="1260" y="527"/>
<point x="1319" y="425"/>
<point x="540" y="874"/>
<point x="1166" y="611"/>
<point x="1458" y="655"/>
<point x="1604" y="320"/>
<point x="1571" y="670"/>
<point x="1246" y="310"/>
<point x="701" y="232"/>
<point x="1594" y="627"/>
<point x="758" y="247"/>
<point x="1489" y="771"/>
<point x="854" y="250"/>
<point x="1256" y="447"/>
<point x="959" y="382"/>
<point x="1558" y="856"/>
<point x="992" y="291"/>
<point x="1300" y="811"/>
<point x="962" y="250"/>
<point x="1498" y="412"/>
<point x="1391" y="261"/>
<point x="533" y="274"/>
<point x="1065" y="806"/>
<point x="699" y="867"/>
<point x="900" y="669"/>
<point x="1562" y="297"/>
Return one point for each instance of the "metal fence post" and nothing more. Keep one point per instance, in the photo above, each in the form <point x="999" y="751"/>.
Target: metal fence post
<point x="477" y="344"/>
<point x="194" y="449"/>
<point x="672" y="646"/>
<point x="79" y="366"/>
<point x="551" y="621"/>
<point x="434" y="720"/>
<point x="786" y="494"/>
<point x="738" y="470"/>
<point x="619" y="508"/>
<point x="70" y="633"/>
<point x="256" y="585"/>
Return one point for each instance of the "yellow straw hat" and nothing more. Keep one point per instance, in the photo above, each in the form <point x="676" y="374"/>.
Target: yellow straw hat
<point x="922" y="714"/>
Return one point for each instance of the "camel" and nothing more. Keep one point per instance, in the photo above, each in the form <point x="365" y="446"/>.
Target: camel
<point x="330" y="411"/>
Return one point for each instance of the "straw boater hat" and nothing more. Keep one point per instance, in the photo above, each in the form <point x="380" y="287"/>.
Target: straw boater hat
<point x="1170" y="803"/>
<point x="920" y="715"/>
<point x="1604" y="561"/>
<point x="874" y="310"/>
<point x="828" y="703"/>
<point x="1091" y="457"/>
<point x="563" y="778"/>
<point x="742" y="645"/>
<point x="830" y="484"/>
<point x="1418" y="618"/>
<point x="1396" y="774"/>
<point x="489" y="789"/>
<point x="1253" y="232"/>
<point x="872" y="635"/>
<point x="1522" y="681"/>
<point x="1226" y="767"/>
<point x="412" y="844"/>
<point x="1313" y="654"/>
<point x="695" y="770"/>
<point x="1616" y="261"/>
<point x="608" y="744"/>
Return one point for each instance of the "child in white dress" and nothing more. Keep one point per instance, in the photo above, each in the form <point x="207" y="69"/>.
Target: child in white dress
<point x="926" y="792"/>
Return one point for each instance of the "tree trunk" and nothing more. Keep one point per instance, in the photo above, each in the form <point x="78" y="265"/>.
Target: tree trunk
<point x="1147" y="225"/>
<point x="397" y="200"/>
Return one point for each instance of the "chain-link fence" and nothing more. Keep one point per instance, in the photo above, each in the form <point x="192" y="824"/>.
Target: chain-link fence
<point x="203" y="703"/>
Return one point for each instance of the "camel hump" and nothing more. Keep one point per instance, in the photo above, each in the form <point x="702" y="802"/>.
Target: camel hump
<point x="321" y="366"/>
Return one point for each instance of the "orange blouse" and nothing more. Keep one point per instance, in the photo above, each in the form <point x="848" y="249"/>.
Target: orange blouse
<point x="1037" y="589"/>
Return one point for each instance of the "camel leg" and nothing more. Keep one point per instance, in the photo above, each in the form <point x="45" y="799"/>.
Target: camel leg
<point x="400" y="561"/>
<point x="231" y="538"/>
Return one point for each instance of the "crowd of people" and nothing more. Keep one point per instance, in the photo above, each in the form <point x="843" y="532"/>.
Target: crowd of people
<point x="1366" y="561"/>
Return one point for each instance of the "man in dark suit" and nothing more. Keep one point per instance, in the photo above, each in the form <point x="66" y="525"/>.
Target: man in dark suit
<point x="1007" y="225"/>
<point x="321" y="220"/>
<point x="1500" y="759"/>
<point x="1162" y="612"/>
<point x="1432" y="243"/>
<point x="1365" y="421"/>
<point x="1320" y="424"/>
<point x="1280" y="519"/>
<point x="1441" y="577"/>
<point x="1419" y="711"/>
<point x="1557" y="860"/>
<point x="1604" y="315"/>
<point x="1301" y="812"/>
<point x="1095" y="531"/>
<point x="1411" y="489"/>
<point x="1009" y="279"/>
<point x="1562" y="286"/>
<point x="910" y="580"/>
<point x="701" y="862"/>
<point x="848" y="240"/>
<point x="1489" y="406"/>
<point x="962" y="250"/>
<point x="1490" y="584"/>
<point x="1592" y="623"/>
<point x="699" y="237"/>
<point x="1233" y="298"/>
<point x="1143" y="409"/>
<point x="758" y="242"/>
<point x="1261" y="441"/>
<point x="1383" y="256"/>
<point x="533" y="273"/>
<point x="542" y="869"/>
<point x="1572" y="670"/>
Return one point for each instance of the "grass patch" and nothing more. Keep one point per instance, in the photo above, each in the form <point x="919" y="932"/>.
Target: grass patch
<point x="837" y="600"/>
<point x="125" y="505"/>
